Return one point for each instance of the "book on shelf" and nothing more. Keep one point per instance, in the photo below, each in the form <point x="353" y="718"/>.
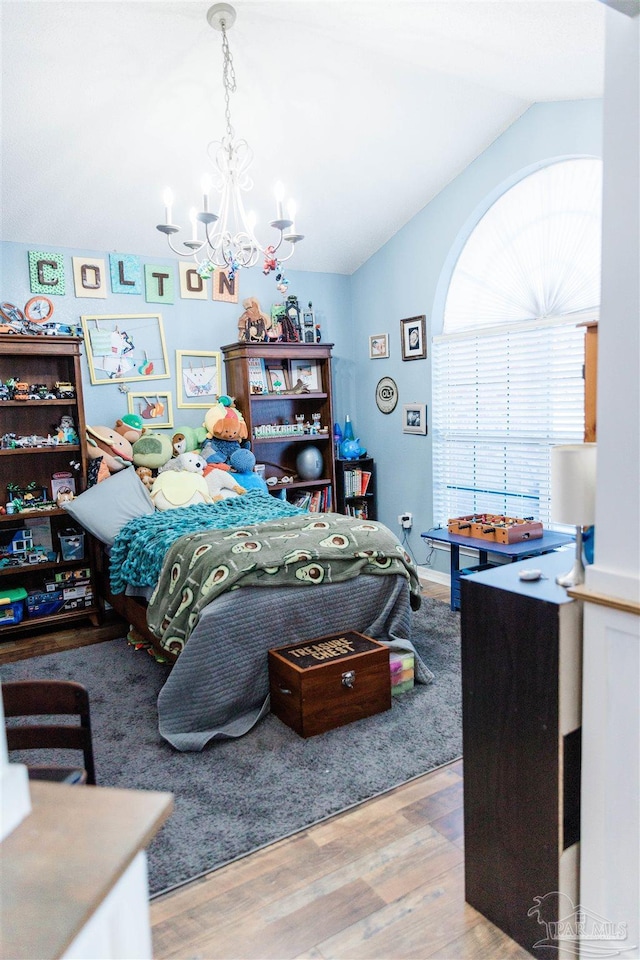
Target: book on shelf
<point x="356" y="482"/>
<point x="258" y="382"/>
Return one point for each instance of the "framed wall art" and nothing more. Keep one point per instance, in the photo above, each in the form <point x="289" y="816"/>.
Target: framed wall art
<point x="154" y="408"/>
<point x="378" y="346"/>
<point x="277" y="378"/>
<point x="413" y="335"/>
<point x="414" y="418"/>
<point x="125" y="347"/>
<point x="198" y="377"/>
<point x="307" y="372"/>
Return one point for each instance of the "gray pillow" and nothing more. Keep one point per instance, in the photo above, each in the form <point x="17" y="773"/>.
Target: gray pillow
<point x="105" y="508"/>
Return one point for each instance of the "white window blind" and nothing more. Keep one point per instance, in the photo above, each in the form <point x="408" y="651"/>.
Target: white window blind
<point x="508" y="370"/>
<point x="500" y="401"/>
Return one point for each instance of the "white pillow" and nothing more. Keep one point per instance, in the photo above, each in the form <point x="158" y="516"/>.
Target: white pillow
<point x="105" y="508"/>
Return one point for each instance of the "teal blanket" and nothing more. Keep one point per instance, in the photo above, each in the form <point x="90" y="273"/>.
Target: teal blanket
<point x="139" y="549"/>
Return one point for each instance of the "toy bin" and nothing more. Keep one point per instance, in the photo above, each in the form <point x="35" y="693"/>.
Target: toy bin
<point x="12" y="606"/>
<point x="72" y="544"/>
<point x="401" y="666"/>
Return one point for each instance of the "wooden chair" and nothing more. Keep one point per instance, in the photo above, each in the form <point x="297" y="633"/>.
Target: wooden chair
<point x="45" y="699"/>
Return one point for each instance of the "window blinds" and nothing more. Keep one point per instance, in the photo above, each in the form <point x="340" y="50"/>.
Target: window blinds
<point x="508" y="369"/>
<point x="501" y="399"/>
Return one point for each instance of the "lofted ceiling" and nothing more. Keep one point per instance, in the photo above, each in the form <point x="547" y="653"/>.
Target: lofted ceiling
<point x="364" y="110"/>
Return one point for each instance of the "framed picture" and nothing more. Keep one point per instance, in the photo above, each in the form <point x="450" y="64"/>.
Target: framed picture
<point x="128" y="346"/>
<point x="198" y="377"/>
<point x="378" y="346"/>
<point x="306" y="371"/>
<point x="277" y="378"/>
<point x="414" y="418"/>
<point x="154" y="408"/>
<point x="413" y="334"/>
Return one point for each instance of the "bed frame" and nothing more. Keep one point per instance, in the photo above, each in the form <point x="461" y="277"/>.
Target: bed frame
<point x="133" y="610"/>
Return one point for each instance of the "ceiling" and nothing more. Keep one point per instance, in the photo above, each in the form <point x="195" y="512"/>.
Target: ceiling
<point x="364" y="110"/>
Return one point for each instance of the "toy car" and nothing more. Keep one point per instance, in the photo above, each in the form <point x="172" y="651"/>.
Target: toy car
<point x="40" y="391"/>
<point x="64" y="390"/>
<point x="21" y="391"/>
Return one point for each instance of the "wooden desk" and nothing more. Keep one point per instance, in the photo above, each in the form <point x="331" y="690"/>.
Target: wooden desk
<point x="78" y="847"/>
<point x="513" y="551"/>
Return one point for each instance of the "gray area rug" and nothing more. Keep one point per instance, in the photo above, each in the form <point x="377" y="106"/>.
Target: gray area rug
<point x="239" y="795"/>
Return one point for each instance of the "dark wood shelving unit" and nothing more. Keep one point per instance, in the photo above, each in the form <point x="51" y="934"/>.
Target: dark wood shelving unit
<point x="356" y="503"/>
<point x="48" y="360"/>
<point x="279" y="453"/>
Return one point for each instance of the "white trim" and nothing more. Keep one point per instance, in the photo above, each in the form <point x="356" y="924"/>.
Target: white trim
<point x="426" y="573"/>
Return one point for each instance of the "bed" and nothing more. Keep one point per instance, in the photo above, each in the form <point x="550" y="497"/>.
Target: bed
<point x="214" y="587"/>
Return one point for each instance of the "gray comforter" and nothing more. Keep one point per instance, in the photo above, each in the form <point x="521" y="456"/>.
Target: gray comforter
<point x="219" y="685"/>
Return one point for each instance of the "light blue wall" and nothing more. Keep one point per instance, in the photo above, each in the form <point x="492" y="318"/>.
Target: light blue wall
<point x="409" y="276"/>
<point x="188" y="324"/>
<point x="405" y="278"/>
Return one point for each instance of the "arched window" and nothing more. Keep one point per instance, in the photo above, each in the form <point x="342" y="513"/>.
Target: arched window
<point x="507" y="370"/>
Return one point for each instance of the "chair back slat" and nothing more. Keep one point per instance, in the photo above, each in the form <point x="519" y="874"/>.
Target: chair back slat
<point x="43" y="698"/>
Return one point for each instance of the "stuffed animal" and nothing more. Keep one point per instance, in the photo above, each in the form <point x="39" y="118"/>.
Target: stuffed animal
<point x="221" y="484"/>
<point x="179" y="488"/>
<point x="191" y="462"/>
<point x="187" y="439"/>
<point x="130" y="426"/>
<point x="152" y="450"/>
<point x="146" y="475"/>
<point x="115" y="450"/>
<point x="224" y="421"/>
<point x="226" y="436"/>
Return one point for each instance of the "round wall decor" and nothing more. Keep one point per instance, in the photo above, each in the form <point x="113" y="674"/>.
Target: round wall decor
<point x="386" y="395"/>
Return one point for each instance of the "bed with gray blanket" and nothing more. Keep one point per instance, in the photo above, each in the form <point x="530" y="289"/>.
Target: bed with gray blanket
<point x="226" y="594"/>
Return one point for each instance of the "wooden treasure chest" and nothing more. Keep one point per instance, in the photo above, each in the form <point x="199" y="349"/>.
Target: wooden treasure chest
<point x="327" y="682"/>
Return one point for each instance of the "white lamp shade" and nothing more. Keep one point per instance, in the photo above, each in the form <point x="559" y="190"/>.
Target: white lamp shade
<point x="573" y="483"/>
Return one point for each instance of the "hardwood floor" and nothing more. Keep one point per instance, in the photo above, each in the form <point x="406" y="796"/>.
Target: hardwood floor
<point x="383" y="881"/>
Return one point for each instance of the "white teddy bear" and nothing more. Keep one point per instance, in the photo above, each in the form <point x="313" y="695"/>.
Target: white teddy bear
<point x="192" y="462"/>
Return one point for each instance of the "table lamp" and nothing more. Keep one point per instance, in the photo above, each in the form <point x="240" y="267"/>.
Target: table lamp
<point x="573" y="489"/>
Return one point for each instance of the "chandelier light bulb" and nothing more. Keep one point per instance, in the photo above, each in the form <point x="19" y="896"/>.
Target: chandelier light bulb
<point x="291" y="211"/>
<point x="279" y="192"/>
<point x="229" y="242"/>
<point x="167" y="198"/>
<point x="205" y="183"/>
<point x="193" y="214"/>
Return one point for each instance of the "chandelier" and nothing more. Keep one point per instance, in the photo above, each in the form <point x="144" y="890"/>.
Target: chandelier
<point x="229" y="236"/>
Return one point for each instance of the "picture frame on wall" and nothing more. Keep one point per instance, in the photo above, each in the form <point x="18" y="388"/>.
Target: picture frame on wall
<point x="198" y="377"/>
<point x="155" y="408"/>
<point x="378" y="346"/>
<point x="125" y="347"/>
<point x="413" y="336"/>
<point x="414" y="418"/>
